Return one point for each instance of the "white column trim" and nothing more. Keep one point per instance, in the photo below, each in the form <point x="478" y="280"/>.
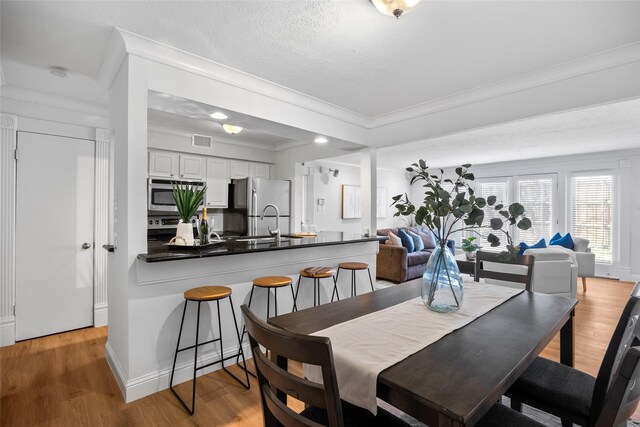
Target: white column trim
<point x="101" y="227"/>
<point x="8" y="124"/>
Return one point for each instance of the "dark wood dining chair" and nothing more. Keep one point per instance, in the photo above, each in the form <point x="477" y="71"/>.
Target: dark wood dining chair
<point x="484" y="270"/>
<point x="324" y="406"/>
<point x="577" y="397"/>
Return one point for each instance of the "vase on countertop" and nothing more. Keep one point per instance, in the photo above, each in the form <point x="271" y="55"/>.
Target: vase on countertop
<point x="442" y="286"/>
<point x="184" y="232"/>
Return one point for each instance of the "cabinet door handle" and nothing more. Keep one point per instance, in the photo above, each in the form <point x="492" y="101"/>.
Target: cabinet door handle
<point x="171" y="174"/>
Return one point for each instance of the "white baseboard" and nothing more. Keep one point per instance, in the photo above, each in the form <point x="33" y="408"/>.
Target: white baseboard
<point x="116" y="369"/>
<point x="7" y="331"/>
<point x="154" y="382"/>
<point x="100" y="315"/>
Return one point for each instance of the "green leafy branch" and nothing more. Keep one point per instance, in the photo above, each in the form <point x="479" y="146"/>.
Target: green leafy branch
<point x="188" y="198"/>
<point x="442" y="211"/>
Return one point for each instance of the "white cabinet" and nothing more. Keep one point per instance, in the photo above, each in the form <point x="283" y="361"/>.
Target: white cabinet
<point x="243" y="169"/>
<point x="192" y="167"/>
<point x="238" y="169"/>
<point x="167" y="164"/>
<point x="260" y="170"/>
<point x="217" y="183"/>
<point x="164" y="164"/>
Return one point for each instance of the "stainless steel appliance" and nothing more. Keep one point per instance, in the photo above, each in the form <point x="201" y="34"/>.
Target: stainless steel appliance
<point x="159" y="194"/>
<point x="169" y="222"/>
<point x="250" y="196"/>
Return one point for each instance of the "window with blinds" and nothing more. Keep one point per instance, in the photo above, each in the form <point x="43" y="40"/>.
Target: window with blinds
<point x="499" y="187"/>
<point x="592" y="213"/>
<point x="535" y="193"/>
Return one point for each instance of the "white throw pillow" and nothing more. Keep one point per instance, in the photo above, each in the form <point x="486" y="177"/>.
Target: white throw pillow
<point x="580" y="244"/>
<point x="393" y="240"/>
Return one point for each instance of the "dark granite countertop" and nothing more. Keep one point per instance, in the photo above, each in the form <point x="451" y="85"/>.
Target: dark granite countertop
<point x="158" y="250"/>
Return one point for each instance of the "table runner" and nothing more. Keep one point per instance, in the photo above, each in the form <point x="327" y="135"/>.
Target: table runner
<point x="365" y="346"/>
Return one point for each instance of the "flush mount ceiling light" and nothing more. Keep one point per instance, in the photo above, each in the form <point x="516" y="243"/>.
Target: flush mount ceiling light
<point x="231" y="129"/>
<point x="218" y="115"/>
<point x="394" y="7"/>
<point x="321" y="140"/>
<point x="61" y="72"/>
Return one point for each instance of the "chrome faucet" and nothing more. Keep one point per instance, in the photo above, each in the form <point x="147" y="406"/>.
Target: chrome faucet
<point x="275" y="232"/>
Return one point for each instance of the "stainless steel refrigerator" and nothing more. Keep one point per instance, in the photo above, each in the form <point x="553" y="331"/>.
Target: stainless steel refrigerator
<point x="249" y="198"/>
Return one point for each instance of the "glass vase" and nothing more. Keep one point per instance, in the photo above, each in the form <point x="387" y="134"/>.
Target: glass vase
<point x="442" y="288"/>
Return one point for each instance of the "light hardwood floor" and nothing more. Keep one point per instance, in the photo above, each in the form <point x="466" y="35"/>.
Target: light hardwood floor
<point x="64" y="379"/>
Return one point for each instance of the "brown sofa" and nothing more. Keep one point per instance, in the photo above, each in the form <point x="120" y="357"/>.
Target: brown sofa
<point x="396" y="264"/>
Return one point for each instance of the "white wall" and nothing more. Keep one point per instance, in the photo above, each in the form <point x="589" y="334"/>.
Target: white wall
<point x="623" y="164"/>
<point x="327" y="187"/>
<point x="180" y="140"/>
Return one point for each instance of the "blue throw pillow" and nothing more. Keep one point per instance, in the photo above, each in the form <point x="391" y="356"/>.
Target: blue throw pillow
<point x="565" y="241"/>
<point x="554" y="238"/>
<point x="418" y="244"/>
<point x="406" y="240"/>
<point x="523" y="246"/>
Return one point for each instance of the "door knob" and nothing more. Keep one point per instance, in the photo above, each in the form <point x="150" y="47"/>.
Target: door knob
<point x="86" y="245"/>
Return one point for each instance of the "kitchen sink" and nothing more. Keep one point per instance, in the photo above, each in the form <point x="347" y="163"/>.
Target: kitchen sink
<point x="259" y="239"/>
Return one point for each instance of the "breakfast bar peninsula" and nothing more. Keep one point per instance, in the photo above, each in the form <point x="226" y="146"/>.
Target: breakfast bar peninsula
<point x="161" y="276"/>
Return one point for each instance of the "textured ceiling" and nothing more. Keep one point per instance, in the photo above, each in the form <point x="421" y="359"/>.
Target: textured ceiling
<point x="343" y="52"/>
<point x="591" y="130"/>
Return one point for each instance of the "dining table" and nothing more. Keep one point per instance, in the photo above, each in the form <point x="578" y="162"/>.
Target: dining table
<point x="455" y="380"/>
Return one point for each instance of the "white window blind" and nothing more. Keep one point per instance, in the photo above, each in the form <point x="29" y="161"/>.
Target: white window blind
<point x="536" y="195"/>
<point x="591" y="213"/>
<point x="499" y="187"/>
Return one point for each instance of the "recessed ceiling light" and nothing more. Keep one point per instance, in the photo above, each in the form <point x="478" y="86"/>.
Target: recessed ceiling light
<point x="61" y="72"/>
<point x="231" y="129"/>
<point x="321" y="140"/>
<point x="218" y="115"/>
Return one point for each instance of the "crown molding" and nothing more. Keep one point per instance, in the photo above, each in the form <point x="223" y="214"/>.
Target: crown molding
<point x="124" y="42"/>
<point x="567" y="70"/>
<point x="112" y="60"/>
<point x="41" y="98"/>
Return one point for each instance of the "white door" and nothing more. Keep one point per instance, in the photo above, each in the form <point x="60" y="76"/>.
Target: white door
<point x="54" y="234"/>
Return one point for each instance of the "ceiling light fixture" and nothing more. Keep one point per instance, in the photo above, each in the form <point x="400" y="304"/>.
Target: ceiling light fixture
<point x="321" y="140"/>
<point x="58" y="71"/>
<point x="218" y="115"/>
<point x="394" y="7"/>
<point x="231" y="129"/>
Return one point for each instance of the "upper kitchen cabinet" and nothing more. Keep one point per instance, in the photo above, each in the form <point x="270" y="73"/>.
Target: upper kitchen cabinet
<point x="167" y="164"/>
<point x="164" y="164"/>
<point x="217" y="183"/>
<point x="260" y="170"/>
<point x="192" y="167"/>
<point x="238" y="169"/>
<point x="243" y="169"/>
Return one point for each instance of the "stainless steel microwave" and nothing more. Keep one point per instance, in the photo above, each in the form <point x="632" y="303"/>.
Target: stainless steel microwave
<point x="160" y="194"/>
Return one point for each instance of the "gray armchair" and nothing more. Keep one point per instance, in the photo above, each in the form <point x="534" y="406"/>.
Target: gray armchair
<point x="585" y="259"/>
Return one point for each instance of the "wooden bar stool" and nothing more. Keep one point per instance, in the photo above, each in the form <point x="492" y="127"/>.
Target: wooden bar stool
<point x="199" y="295"/>
<point x="268" y="283"/>
<point x="353" y="267"/>
<point x="317" y="273"/>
